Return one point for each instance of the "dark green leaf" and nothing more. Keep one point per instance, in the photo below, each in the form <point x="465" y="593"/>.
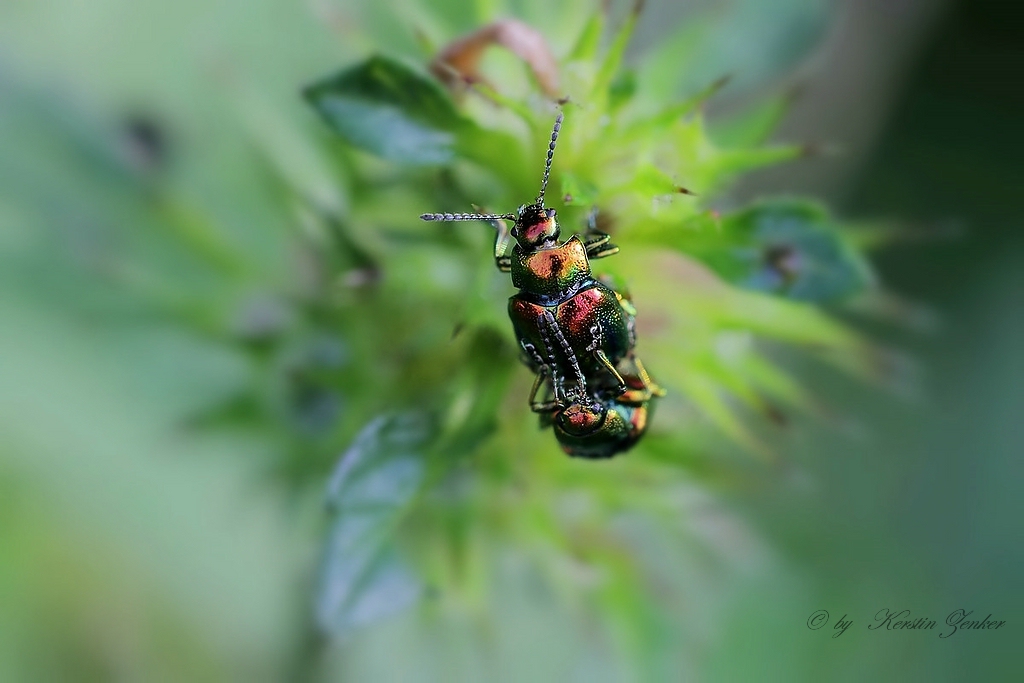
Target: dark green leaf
<point x="384" y="107"/>
<point x="363" y="580"/>
<point x="362" y="576"/>
<point x="786" y="247"/>
<point x="384" y="466"/>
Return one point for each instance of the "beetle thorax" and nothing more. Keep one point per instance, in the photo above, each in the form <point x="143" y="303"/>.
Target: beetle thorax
<point x="552" y="274"/>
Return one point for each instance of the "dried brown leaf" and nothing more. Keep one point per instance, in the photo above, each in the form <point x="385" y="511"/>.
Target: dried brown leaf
<point x="460" y="59"/>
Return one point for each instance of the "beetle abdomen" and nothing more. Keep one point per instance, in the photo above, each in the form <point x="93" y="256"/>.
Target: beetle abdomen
<point x="568" y="335"/>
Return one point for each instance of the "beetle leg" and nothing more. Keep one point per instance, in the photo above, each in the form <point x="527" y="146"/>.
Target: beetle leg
<point x="501" y="240"/>
<point x="552" y="325"/>
<point x="595" y="348"/>
<point x="503" y="262"/>
<point x="546" y="406"/>
<point x="603" y="360"/>
<point x="552" y="365"/>
<point x="646" y="379"/>
<point x="640" y="387"/>
<point x="597" y="243"/>
<point x="592" y="237"/>
<point x="606" y="250"/>
<point x="530" y="356"/>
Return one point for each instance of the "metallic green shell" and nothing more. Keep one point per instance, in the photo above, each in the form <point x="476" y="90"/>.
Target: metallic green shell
<point x="551" y="274"/>
<point x="591" y="319"/>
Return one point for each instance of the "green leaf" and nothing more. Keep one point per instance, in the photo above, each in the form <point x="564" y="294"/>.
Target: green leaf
<point x="578" y="191"/>
<point x="667" y="63"/>
<point x="479" y="391"/>
<point x="384" y="107"/>
<point x="362" y="577"/>
<point x="729" y="163"/>
<point x="613" y="58"/>
<point x="754" y="125"/>
<point x="709" y="398"/>
<point x="651" y="181"/>
<point x="774" y="382"/>
<point x="786" y="247"/>
<point x="501" y="153"/>
<point x="362" y="580"/>
<point x="589" y="39"/>
<point x="794" y="249"/>
<point x="658" y="123"/>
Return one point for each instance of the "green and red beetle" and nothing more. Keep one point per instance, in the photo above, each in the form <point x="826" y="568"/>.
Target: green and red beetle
<point x="576" y="332"/>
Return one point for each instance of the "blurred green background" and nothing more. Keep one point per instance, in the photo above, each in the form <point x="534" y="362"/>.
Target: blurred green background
<point x="150" y="529"/>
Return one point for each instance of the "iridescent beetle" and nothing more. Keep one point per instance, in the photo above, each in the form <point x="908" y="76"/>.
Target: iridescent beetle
<point x="577" y="334"/>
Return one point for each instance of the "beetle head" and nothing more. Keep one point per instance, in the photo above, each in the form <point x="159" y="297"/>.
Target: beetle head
<point x="535" y="227"/>
<point x="581" y="419"/>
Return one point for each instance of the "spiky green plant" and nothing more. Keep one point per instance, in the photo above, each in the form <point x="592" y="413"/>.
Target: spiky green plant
<point x="438" y="379"/>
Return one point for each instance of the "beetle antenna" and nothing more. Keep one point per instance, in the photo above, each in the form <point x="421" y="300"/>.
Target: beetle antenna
<point x="551" y="155"/>
<point x="468" y="216"/>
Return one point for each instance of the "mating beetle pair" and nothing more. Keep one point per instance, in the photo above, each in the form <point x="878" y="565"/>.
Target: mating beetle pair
<point x="576" y="332"/>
